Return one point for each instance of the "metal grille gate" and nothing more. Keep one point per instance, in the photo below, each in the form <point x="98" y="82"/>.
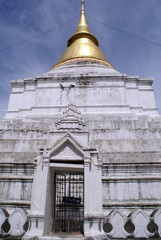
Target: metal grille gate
<point x="69" y="203"/>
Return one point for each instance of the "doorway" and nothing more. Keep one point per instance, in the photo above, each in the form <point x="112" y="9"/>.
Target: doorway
<point x="69" y="202"/>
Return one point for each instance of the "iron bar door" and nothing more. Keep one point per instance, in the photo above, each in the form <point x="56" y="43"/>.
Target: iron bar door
<point x="69" y="202"/>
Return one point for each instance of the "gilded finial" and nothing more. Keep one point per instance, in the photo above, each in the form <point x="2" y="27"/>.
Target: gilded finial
<point x="83" y="5"/>
<point x="83" y="45"/>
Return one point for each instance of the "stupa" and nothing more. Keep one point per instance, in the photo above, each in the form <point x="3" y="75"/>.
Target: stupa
<point x="80" y="151"/>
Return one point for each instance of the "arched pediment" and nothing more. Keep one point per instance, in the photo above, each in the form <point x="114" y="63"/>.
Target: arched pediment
<point x="67" y="149"/>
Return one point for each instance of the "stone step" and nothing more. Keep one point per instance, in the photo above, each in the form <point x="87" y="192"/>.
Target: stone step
<point x="64" y="236"/>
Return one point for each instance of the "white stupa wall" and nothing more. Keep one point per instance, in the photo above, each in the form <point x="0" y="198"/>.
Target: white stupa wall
<point x="104" y="93"/>
<point x="120" y="122"/>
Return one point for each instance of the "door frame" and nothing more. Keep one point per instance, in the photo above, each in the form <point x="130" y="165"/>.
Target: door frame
<point x="56" y="168"/>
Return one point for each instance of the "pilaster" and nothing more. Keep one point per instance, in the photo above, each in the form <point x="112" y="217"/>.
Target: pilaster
<point x="38" y="216"/>
<point x="93" y="216"/>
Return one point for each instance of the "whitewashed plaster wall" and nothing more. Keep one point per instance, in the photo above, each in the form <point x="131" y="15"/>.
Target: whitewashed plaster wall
<point x="92" y="87"/>
<point x="129" y="146"/>
<point x="121" y="119"/>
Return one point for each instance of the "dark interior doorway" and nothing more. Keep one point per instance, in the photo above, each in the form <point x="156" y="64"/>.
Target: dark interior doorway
<point x="69" y="202"/>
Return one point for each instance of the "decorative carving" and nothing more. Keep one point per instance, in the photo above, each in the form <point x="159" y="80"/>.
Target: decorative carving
<point x="156" y="216"/>
<point x="17" y="220"/>
<point x="117" y="225"/>
<point x="67" y="148"/>
<point x="71" y="119"/>
<point x="140" y="220"/>
<point x="3" y="218"/>
<point x="114" y="225"/>
<point x="68" y="152"/>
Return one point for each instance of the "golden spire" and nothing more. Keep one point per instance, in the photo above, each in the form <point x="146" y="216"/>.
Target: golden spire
<point x="82" y="45"/>
<point x="82" y="5"/>
<point x="82" y="25"/>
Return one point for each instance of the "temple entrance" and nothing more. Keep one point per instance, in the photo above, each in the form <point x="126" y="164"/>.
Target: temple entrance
<point x="69" y="202"/>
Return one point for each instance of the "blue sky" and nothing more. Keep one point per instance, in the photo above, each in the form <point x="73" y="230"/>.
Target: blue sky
<point x="23" y="19"/>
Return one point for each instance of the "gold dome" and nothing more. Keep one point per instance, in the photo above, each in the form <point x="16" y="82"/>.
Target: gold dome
<point x="82" y="45"/>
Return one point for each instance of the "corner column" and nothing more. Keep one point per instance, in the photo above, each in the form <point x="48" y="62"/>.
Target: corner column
<point x="87" y="194"/>
<point x="93" y="214"/>
<point x="40" y="223"/>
